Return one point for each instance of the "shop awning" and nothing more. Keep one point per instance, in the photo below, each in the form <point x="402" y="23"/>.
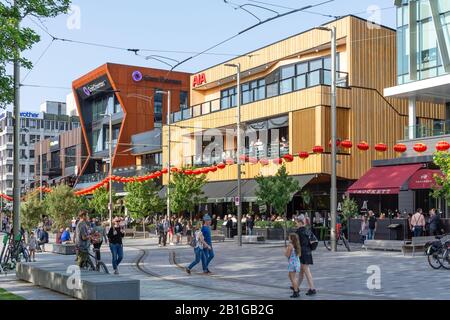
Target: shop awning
<point x="423" y="179"/>
<point x="384" y="180"/>
<point x="225" y="191"/>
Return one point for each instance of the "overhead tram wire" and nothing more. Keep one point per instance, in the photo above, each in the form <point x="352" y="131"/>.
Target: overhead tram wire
<point x="38" y="60"/>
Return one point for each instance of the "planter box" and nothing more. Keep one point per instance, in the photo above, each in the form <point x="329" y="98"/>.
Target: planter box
<point x="272" y="233"/>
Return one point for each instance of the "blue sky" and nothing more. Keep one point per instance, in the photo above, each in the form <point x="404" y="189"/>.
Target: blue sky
<point x="179" y="25"/>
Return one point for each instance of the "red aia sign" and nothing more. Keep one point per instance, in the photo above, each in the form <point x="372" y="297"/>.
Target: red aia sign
<point x="199" y="79"/>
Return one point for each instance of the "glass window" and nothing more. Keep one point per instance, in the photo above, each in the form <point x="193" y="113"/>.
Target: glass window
<point x="31" y="154"/>
<point x="300" y="82"/>
<point x="286" y="86"/>
<point x="314" y="78"/>
<point x="31" y="169"/>
<point x="158" y="106"/>
<point x="287" y="72"/>
<point x="315" y="65"/>
<point x="272" y="90"/>
<point x="302" y="68"/>
<point x="70" y="157"/>
<point x="183" y="100"/>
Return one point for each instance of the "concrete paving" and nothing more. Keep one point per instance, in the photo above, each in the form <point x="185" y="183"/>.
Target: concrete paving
<point x="259" y="271"/>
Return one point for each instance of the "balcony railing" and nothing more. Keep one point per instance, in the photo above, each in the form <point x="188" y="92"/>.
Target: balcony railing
<point x="285" y="86"/>
<point x="440" y="128"/>
<point x="130" y="171"/>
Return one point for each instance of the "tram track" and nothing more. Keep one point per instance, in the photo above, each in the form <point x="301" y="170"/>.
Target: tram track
<point x="140" y="266"/>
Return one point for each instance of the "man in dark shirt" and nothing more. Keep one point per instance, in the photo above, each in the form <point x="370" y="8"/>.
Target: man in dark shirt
<point x="372" y="226"/>
<point x="435" y="223"/>
<point x="214" y="222"/>
<point x="208" y="252"/>
<point x="115" y="235"/>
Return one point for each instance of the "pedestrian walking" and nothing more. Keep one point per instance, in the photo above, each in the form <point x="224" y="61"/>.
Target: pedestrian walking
<point x="417" y="223"/>
<point x="32" y="246"/>
<point x="229" y="225"/>
<point x="98" y="236"/>
<point x="250" y="223"/>
<point x="171" y="231"/>
<point x="372" y="226"/>
<point x="306" y="258"/>
<point x="208" y="251"/>
<point x="115" y="235"/>
<point x="178" y="231"/>
<point x="364" y="230"/>
<point x="189" y="229"/>
<point x="73" y="224"/>
<point x="293" y="252"/>
<point x="162" y="232"/>
<point x="82" y="241"/>
<point x="199" y="245"/>
<point x="214" y="222"/>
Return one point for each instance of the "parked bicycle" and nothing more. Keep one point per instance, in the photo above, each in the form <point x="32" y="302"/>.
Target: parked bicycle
<point x="93" y="264"/>
<point x="341" y="240"/>
<point x="13" y="251"/>
<point x="438" y="253"/>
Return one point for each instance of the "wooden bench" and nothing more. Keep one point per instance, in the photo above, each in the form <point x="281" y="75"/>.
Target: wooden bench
<point x="90" y="285"/>
<point x="141" y="234"/>
<point x="129" y="232"/>
<point x="218" y="238"/>
<point x="252" y="239"/>
<point x="64" y="249"/>
<point x="386" y="245"/>
<point x="417" y="242"/>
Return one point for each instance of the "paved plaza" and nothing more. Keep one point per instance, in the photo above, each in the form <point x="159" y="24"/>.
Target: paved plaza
<point x="258" y="272"/>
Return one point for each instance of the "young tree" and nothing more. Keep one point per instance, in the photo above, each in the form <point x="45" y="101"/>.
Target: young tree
<point x="15" y="40"/>
<point x="186" y="192"/>
<point x="32" y="211"/>
<point x="264" y="193"/>
<point x="100" y="200"/>
<point x="349" y="210"/>
<point x="143" y="199"/>
<point x="62" y="205"/>
<point x="279" y="190"/>
<point x="441" y="189"/>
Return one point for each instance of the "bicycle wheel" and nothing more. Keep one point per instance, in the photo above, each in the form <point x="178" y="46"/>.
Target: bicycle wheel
<point x="445" y="259"/>
<point x="101" y="267"/>
<point x="434" y="260"/>
<point x="347" y="245"/>
<point x="327" y="244"/>
<point x="87" y="265"/>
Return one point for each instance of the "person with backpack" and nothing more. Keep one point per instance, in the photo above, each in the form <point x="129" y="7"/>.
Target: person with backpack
<point x="162" y="232"/>
<point x="178" y="230"/>
<point x="308" y="243"/>
<point x="198" y="243"/>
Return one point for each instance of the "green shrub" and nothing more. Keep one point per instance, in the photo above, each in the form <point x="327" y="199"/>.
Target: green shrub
<point x="263" y="224"/>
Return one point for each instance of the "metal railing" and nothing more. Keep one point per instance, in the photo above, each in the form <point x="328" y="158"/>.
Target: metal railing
<point x="297" y="83"/>
<point x="439" y="128"/>
<point x="129" y="171"/>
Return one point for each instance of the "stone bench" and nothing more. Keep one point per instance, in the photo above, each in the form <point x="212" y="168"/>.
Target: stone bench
<point x="218" y="238"/>
<point x="417" y="242"/>
<point x="386" y="245"/>
<point x="129" y="232"/>
<point x="92" y="285"/>
<point x="251" y="239"/>
<point x="141" y="234"/>
<point x="64" y="249"/>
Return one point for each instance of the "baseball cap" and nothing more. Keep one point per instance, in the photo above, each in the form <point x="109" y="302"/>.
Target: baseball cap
<point x="206" y="217"/>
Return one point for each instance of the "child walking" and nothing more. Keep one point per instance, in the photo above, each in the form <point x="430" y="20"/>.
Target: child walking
<point x="293" y="252"/>
<point x="32" y="245"/>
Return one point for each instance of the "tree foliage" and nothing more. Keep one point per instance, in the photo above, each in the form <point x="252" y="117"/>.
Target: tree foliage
<point x="31" y="212"/>
<point x="349" y="209"/>
<point x="100" y="200"/>
<point x="186" y="192"/>
<point x="143" y="199"/>
<point x="441" y="189"/>
<point x="62" y="205"/>
<point x="15" y="40"/>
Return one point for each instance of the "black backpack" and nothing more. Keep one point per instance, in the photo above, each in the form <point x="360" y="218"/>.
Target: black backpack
<point x="313" y="242"/>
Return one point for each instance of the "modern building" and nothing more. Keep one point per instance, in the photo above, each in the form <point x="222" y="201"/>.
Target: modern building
<point x="35" y="126"/>
<point x="61" y="158"/>
<point x="423" y="77"/>
<point x="285" y="95"/>
<point x="136" y="99"/>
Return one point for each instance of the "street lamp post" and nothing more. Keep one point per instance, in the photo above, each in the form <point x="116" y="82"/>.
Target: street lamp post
<point x="40" y="170"/>
<point x="333" y="191"/>
<point x="238" y="153"/>
<point x="168" y="147"/>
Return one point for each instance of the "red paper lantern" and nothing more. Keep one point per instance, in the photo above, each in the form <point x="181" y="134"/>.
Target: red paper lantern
<point x="420" y="147"/>
<point x="363" y="146"/>
<point x="221" y="166"/>
<point x="381" y="147"/>
<point x="400" y="148"/>
<point x="213" y="169"/>
<point x="188" y="172"/>
<point x="204" y="170"/>
<point x="278" y="161"/>
<point x="253" y="160"/>
<point x="303" y="155"/>
<point x="264" y="162"/>
<point x="244" y="158"/>
<point x="442" y="146"/>
<point x="164" y="171"/>
<point x="288" y="158"/>
<point x="346" y="144"/>
<point x="318" y="149"/>
<point x="174" y="170"/>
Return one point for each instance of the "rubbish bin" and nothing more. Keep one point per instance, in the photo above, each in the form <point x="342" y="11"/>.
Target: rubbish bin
<point x="395" y="231"/>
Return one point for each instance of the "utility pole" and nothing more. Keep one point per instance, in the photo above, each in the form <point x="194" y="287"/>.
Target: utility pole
<point x="40" y="168"/>
<point x="333" y="191"/>
<point x="238" y="153"/>
<point x="110" y="171"/>
<point x="16" y="180"/>
<point x="168" y="153"/>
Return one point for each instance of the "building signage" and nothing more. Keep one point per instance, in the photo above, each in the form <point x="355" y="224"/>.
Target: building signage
<point x="424" y="179"/>
<point x="32" y="115"/>
<point x="375" y="191"/>
<point x="199" y="79"/>
<point x="97" y="86"/>
<point x="137" y="76"/>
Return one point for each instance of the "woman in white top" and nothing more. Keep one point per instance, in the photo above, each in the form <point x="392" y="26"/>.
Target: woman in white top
<point x="199" y="244"/>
